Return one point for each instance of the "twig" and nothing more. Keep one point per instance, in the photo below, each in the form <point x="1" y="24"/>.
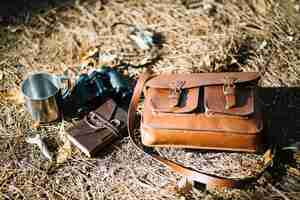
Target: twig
<point x="18" y="190"/>
<point x="4" y="195"/>
<point x="279" y="192"/>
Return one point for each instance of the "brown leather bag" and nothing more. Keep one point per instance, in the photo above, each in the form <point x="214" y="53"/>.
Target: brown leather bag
<point x="216" y="111"/>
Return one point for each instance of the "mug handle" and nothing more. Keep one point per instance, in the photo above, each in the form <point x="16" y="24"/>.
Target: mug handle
<point x="66" y="90"/>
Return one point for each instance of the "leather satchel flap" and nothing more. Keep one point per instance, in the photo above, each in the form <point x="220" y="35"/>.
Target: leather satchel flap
<point x="215" y="101"/>
<point x="200" y="79"/>
<point x="162" y="101"/>
<point x="224" y="93"/>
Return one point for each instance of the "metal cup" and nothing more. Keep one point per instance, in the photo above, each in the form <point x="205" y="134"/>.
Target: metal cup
<point x="43" y="95"/>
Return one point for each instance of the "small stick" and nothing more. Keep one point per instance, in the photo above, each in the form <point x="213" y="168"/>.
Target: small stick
<point x="279" y="192"/>
<point x="185" y="185"/>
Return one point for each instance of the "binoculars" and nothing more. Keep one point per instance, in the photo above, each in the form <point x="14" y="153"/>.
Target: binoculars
<point x="90" y="89"/>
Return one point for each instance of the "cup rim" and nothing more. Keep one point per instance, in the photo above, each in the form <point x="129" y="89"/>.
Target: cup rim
<point x="35" y="74"/>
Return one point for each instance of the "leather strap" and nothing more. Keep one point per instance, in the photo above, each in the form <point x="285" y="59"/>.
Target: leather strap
<point x="96" y="121"/>
<point x="211" y="180"/>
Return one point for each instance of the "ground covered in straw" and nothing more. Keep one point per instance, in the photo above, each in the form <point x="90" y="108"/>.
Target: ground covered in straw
<point x="208" y="36"/>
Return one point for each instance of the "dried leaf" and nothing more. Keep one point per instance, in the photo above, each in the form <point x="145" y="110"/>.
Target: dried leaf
<point x="64" y="151"/>
<point x="12" y="95"/>
<point x="9" y="120"/>
<point x="89" y="62"/>
<point x="260" y="6"/>
<point x="89" y="53"/>
<point x="200" y="24"/>
<point x="294" y="171"/>
<point x="107" y="59"/>
<point x="35" y="125"/>
<point x="191" y="4"/>
<point x="255" y="30"/>
<point x="1" y="75"/>
<point x="297" y="8"/>
<point x="125" y="73"/>
<point x="185" y="185"/>
<point x="142" y="38"/>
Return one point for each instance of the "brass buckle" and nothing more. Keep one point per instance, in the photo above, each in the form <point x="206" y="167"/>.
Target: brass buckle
<point x="175" y="89"/>
<point x="175" y="92"/>
<point x="228" y="87"/>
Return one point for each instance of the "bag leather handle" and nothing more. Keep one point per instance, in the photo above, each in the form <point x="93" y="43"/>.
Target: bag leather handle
<point x="211" y="180"/>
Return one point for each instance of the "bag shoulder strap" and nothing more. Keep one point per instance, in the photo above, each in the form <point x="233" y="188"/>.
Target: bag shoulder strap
<point x="211" y="180"/>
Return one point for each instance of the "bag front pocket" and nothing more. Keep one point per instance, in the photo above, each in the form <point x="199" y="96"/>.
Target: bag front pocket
<point x="215" y="101"/>
<point x="169" y="101"/>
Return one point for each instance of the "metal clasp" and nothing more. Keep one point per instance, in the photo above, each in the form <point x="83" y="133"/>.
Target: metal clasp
<point x="175" y="88"/>
<point x="175" y="92"/>
<point x="229" y="92"/>
<point x="229" y="86"/>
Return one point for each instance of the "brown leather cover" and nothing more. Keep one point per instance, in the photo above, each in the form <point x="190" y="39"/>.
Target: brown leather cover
<point x="202" y="111"/>
<point x="99" y="128"/>
<point x="201" y="79"/>
<point x="214" y="101"/>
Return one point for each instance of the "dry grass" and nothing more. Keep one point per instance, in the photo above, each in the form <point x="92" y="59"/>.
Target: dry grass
<point x="225" y="36"/>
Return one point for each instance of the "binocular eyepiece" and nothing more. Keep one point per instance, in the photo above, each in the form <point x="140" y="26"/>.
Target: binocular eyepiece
<point x="118" y="83"/>
<point x="102" y="83"/>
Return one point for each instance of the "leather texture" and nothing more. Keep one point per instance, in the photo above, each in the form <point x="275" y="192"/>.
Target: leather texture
<point x="187" y="123"/>
<point x="215" y="101"/>
<point x="200" y="79"/>
<point x="194" y="108"/>
<point x="99" y="128"/>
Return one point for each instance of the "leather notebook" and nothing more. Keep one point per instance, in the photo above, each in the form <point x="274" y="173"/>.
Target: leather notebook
<point x="99" y="128"/>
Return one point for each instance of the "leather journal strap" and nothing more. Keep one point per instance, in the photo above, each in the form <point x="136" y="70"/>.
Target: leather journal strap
<point x="211" y="180"/>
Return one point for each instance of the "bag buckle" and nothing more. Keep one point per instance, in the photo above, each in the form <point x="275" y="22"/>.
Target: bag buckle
<point x="229" y="92"/>
<point x="175" y="92"/>
<point x="228" y="87"/>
